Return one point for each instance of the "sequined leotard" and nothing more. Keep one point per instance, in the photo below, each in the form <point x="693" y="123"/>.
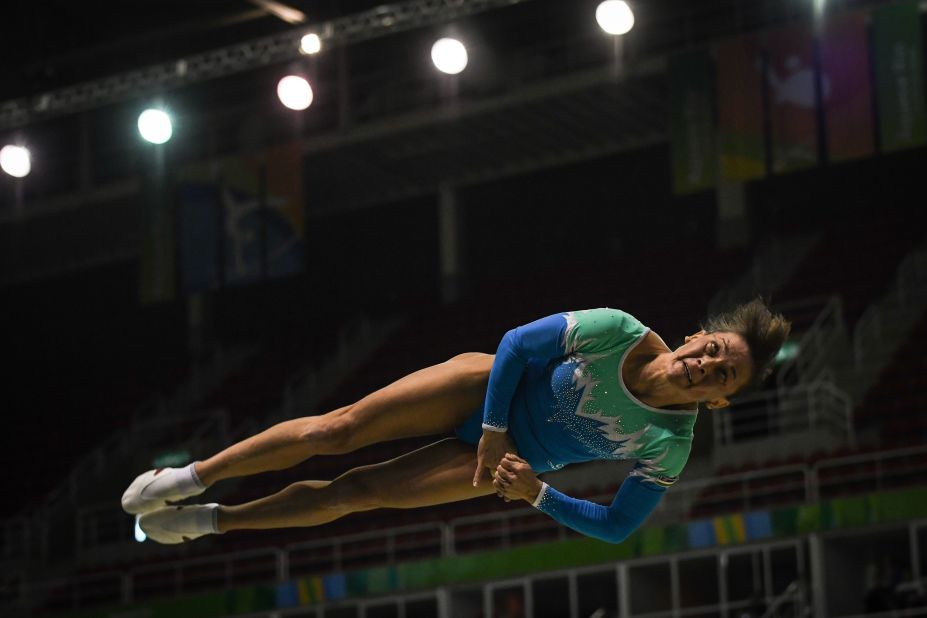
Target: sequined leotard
<point x="556" y="387"/>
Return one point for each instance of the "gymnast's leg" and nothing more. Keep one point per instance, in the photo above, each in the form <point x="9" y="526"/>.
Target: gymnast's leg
<point x="433" y="400"/>
<point x="439" y="473"/>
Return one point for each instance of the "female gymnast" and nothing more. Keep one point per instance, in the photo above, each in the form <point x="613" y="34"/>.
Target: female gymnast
<point x="570" y="387"/>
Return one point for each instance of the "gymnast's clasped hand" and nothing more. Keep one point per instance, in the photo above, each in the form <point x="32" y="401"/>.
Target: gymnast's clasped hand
<point x="512" y="476"/>
<point x="514" y="479"/>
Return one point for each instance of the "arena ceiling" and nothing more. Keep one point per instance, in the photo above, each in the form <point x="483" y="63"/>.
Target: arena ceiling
<point x="546" y="87"/>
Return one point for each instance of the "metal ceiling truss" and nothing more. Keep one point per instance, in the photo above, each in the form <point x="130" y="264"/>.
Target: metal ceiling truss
<point x="283" y="47"/>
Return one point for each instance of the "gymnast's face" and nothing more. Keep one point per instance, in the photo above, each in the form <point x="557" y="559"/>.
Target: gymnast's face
<point x="711" y="367"/>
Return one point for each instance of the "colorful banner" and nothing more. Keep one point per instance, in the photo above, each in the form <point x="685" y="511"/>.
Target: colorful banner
<point x="741" y="141"/>
<point x="691" y="122"/>
<point x="899" y="71"/>
<point x="156" y="266"/>
<point x="285" y="208"/>
<point x="263" y="215"/>
<point x="846" y="88"/>
<point x="242" y="219"/>
<point x="790" y="79"/>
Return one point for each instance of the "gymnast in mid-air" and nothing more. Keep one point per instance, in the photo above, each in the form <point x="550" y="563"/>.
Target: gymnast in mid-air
<point x="570" y="387"/>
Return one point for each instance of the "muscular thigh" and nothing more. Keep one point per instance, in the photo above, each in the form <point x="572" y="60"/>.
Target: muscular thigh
<point x="430" y="401"/>
<point x="435" y="474"/>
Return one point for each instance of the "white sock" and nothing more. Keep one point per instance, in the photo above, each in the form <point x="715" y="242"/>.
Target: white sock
<point x="205" y="521"/>
<point x="193" y="519"/>
<point x="176" y="483"/>
<point x="196" y="480"/>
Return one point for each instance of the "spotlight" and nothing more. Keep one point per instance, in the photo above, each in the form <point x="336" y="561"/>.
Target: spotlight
<point x="294" y="92"/>
<point x="614" y="17"/>
<point x="14" y="160"/>
<point x="155" y="126"/>
<point x="819" y="7"/>
<point x="449" y="55"/>
<point x="310" y="44"/>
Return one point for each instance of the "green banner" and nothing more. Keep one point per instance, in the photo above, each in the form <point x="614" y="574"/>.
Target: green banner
<point x="741" y="139"/>
<point x="691" y="122"/>
<point x="846" y="87"/>
<point x="790" y="77"/>
<point x="899" y="71"/>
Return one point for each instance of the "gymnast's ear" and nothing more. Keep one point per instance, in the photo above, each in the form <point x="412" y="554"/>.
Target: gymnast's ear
<point x="694" y="336"/>
<point x="717" y="403"/>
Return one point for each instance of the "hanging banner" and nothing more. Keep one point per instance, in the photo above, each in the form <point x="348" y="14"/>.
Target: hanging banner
<point x="741" y="143"/>
<point x="242" y="200"/>
<point x="846" y="88"/>
<point x="200" y="221"/>
<point x="156" y="264"/>
<point x="899" y="72"/>
<point x="691" y="122"/>
<point x="790" y="79"/>
<point x="242" y="219"/>
<point x="285" y="210"/>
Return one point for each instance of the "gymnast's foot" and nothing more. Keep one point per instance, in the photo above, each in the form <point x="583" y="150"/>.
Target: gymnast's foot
<point x="177" y="524"/>
<point x="155" y="488"/>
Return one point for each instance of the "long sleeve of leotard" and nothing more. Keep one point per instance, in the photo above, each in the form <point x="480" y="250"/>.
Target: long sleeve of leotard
<point x="554" y="336"/>
<point x="542" y="338"/>
<point x="635" y="500"/>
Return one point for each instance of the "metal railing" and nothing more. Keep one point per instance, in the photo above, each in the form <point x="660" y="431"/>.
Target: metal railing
<point x="789" y="484"/>
<point x="805" y="408"/>
<point x="816" y="346"/>
<point x="910" y="289"/>
<point x="868" y="472"/>
<point x="792" y="603"/>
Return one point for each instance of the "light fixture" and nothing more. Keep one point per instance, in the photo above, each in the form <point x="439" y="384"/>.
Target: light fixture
<point x="449" y="56"/>
<point x="615" y="17"/>
<point x="310" y="44"/>
<point x="14" y="160"/>
<point x="155" y="126"/>
<point x="294" y="92"/>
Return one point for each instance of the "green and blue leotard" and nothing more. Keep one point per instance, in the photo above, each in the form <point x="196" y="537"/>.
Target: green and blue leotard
<point x="556" y="388"/>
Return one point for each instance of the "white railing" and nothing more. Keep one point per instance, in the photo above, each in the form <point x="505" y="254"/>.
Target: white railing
<point x="792" y="603"/>
<point x="790" y="484"/>
<point x="868" y="334"/>
<point x="796" y="411"/>
<point x="816" y="346"/>
<point x="910" y="289"/>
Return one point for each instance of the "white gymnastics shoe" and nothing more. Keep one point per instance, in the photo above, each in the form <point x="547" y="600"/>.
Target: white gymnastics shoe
<point x="177" y="524"/>
<point x="155" y="488"/>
